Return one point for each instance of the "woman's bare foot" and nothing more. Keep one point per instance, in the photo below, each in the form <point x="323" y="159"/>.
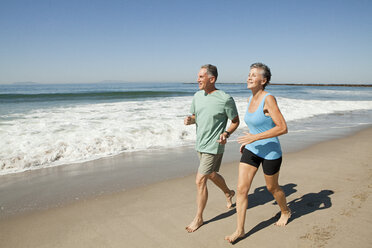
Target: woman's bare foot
<point x="233" y="237"/>
<point x="284" y="217"/>
<point x="229" y="197"/>
<point x="194" y="225"/>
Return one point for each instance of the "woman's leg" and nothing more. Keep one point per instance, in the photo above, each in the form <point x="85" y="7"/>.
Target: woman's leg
<point x="246" y="174"/>
<point x="274" y="188"/>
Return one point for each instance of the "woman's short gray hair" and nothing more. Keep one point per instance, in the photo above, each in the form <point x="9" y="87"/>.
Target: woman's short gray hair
<point x="211" y="70"/>
<point x="266" y="73"/>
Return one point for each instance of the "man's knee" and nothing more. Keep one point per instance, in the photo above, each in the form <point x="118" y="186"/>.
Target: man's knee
<point x="201" y="180"/>
<point x="213" y="176"/>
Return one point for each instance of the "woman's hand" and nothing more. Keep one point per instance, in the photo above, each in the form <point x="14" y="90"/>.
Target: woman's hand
<point x="242" y="148"/>
<point x="246" y="139"/>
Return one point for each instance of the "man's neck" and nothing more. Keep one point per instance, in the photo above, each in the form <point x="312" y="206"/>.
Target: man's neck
<point x="210" y="90"/>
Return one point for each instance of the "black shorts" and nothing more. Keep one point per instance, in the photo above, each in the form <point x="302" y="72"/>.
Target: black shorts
<point x="270" y="167"/>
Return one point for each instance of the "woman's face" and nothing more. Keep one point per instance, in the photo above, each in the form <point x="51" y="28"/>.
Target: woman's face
<point x="255" y="79"/>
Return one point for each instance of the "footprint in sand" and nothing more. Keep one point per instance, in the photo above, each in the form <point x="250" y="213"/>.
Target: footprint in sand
<point x="357" y="202"/>
<point x="320" y="235"/>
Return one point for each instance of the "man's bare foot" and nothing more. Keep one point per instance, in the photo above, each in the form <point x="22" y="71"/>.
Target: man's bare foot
<point x="229" y="199"/>
<point x="233" y="237"/>
<point x="284" y="217"/>
<point x="194" y="225"/>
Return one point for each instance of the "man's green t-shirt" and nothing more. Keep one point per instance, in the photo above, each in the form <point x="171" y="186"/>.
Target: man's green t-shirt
<point x="211" y="114"/>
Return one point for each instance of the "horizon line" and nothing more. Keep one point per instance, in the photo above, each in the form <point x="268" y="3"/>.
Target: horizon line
<point x="121" y="81"/>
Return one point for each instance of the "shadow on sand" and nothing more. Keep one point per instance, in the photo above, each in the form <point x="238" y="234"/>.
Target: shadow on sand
<point x="260" y="196"/>
<point x="304" y="205"/>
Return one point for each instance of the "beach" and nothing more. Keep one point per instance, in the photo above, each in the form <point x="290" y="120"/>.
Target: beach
<point x="96" y="98"/>
<point x="328" y="187"/>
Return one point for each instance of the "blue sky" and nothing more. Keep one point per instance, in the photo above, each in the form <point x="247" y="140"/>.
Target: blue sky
<point x="167" y="41"/>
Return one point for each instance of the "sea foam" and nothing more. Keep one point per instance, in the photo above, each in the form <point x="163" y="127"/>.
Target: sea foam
<point x="60" y="135"/>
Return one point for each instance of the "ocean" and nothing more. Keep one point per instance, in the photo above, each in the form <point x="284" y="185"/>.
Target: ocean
<point x="46" y="125"/>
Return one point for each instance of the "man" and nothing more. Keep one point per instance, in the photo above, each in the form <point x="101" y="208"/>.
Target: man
<point x="211" y="108"/>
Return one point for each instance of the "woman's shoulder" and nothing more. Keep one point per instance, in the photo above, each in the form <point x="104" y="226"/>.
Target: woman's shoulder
<point x="268" y="95"/>
<point x="269" y="98"/>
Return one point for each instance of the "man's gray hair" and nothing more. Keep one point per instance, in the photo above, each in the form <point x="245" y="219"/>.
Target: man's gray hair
<point x="266" y="73"/>
<point x="211" y="70"/>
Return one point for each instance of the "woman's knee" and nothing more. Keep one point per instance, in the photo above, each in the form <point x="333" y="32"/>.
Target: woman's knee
<point x="242" y="189"/>
<point x="273" y="188"/>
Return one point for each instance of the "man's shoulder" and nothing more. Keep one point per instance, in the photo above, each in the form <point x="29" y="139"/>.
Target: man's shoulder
<point x="220" y="94"/>
<point x="223" y="95"/>
<point x="199" y="93"/>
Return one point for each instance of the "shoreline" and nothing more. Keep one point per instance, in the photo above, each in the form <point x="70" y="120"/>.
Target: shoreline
<point x="47" y="188"/>
<point x="328" y="188"/>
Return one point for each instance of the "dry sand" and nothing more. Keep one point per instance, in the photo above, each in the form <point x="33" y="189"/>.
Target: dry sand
<point x="328" y="188"/>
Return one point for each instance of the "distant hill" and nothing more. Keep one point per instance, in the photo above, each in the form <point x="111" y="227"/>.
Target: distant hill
<point x="338" y="85"/>
<point x="25" y="83"/>
<point x="112" y="81"/>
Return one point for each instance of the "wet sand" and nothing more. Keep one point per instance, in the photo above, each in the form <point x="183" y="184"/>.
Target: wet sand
<point x="58" y="186"/>
<point x="328" y="188"/>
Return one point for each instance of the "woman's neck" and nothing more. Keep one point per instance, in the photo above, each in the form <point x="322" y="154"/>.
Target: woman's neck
<point x="257" y="92"/>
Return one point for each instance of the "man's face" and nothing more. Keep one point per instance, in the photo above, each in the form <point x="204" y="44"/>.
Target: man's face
<point x="203" y="79"/>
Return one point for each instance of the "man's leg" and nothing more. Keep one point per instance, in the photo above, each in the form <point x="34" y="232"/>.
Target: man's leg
<point x="219" y="180"/>
<point x="221" y="183"/>
<point x="201" y="200"/>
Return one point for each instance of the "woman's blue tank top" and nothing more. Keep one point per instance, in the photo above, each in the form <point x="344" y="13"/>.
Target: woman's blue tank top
<point x="258" y="122"/>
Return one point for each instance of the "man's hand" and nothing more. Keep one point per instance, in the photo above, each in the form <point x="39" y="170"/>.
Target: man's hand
<point x="189" y="120"/>
<point x="223" y="138"/>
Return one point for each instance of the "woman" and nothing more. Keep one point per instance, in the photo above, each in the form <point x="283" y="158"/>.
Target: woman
<point x="261" y="145"/>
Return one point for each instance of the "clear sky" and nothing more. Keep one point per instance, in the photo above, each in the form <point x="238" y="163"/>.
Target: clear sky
<point x="62" y="41"/>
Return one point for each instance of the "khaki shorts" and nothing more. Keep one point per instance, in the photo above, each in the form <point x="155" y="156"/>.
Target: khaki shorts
<point x="209" y="163"/>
